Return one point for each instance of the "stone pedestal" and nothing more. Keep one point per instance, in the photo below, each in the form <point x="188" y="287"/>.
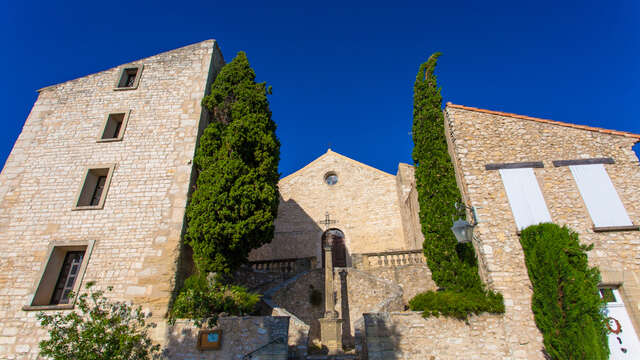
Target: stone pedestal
<point x="331" y="335"/>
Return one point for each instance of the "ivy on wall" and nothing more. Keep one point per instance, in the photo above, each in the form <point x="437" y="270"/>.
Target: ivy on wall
<point x="453" y="266"/>
<point x="565" y="303"/>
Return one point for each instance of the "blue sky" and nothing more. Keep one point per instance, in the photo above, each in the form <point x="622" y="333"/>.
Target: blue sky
<point x="343" y="72"/>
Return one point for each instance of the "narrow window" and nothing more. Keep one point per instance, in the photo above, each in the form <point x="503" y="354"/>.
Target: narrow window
<point x="93" y="191"/>
<point x="61" y="275"/>
<point x="67" y="279"/>
<point x="114" y="126"/>
<point x="526" y="200"/>
<point x="129" y="77"/>
<point x="600" y="197"/>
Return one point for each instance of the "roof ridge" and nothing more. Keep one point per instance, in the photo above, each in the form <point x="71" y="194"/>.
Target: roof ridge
<point x="329" y="152"/>
<point x="547" y="121"/>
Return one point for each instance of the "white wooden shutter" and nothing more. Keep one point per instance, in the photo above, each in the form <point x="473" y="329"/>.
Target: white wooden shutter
<point x="527" y="204"/>
<point x="600" y="196"/>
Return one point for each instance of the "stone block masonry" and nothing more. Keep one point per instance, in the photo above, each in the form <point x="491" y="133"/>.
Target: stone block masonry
<point x="478" y="137"/>
<point x="406" y="335"/>
<point x="137" y="232"/>
<point x="264" y="336"/>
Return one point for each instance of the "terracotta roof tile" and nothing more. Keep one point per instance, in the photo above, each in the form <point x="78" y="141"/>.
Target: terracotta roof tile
<point x="581" y="127"/>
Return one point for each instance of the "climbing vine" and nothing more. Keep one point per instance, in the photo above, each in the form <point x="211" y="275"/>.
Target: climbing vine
<point x="565" y="302"/>
<point x="453" y="266"/>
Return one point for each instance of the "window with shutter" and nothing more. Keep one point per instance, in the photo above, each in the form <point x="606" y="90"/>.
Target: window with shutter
<point x="525" y="198"/>
<point x="600" y="197"/>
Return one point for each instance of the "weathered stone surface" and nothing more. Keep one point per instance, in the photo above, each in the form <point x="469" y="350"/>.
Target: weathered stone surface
<point x="477" y="138"/>
<point x="365" y="202"/>
<point x="406" y="335"/>
<point x="137" y="232"/>
<point x="259" y="335"/>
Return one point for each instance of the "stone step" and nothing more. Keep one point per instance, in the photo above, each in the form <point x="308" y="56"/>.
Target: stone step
<point x="333" y="357"/>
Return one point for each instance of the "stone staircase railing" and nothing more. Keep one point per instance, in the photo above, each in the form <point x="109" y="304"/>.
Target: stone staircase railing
<point x="387" y="259"/>
<point x="284" y="266"/>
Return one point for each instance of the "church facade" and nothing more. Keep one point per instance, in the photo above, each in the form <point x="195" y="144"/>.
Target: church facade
<point x="96" y="186"/>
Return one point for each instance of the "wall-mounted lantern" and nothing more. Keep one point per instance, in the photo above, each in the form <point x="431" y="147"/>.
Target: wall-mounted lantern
<point x="461" y="228"/>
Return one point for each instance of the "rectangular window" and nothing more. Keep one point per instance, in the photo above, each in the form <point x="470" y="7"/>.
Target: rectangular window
<point x="114" y="126"/>
<point x="129" y="77"/>
<point x="93" y="191"/>
<point x="600" y="197"/>
<point x="527" y="204"/>
<point x="61" y="275"/>
<point x="67" y="279"/>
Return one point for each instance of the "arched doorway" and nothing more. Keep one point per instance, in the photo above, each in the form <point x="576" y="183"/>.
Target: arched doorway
<point x="335" y="238"/>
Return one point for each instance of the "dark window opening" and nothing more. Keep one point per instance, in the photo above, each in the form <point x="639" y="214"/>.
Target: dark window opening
<point x="94" y="188"/>
<point x="67" y="278"/>
<point x="128" y="78"/>
<point x="113" y="126"/>
<point x="97" y="192"/>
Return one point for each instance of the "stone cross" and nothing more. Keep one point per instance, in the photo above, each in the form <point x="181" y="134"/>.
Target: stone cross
<point x="327" y="221"/>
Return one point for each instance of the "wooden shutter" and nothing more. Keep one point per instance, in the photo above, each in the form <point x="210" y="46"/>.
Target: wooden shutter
<point x="600" y="196"/>
<point x="527" y="204"/>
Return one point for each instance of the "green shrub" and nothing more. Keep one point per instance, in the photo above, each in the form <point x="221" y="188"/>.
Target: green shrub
<point x="565" y="303"/>
<point x="203" y="302"/>
<point x="233" y="208"/>
<point x="457" y="304"/>
<point x="101" y="330"/>
<point x="453" y="266"/>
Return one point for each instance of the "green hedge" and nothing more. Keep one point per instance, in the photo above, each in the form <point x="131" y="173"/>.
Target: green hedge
<point x="453" y="266"/>
<point x="565" y="303"/>
<point x="457" y="304"/>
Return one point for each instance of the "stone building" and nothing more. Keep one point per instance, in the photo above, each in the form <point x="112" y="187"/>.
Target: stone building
<point x="95" y="189"/>
<point x="96" y="186"/>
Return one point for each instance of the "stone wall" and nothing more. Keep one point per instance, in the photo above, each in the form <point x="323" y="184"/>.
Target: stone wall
<point x="412" y="279"/>
<point x="137" y="232"/>
<point x="479" y="137"/>
<point x="358" y="292"/>
<point x="409" y="207"/>
<point x="240" y="336"/>
<point x="408" y="336"/>
<point x="364" y="202"/>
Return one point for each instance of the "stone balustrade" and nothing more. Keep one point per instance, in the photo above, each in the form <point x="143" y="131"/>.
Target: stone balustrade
<point x="388" y="259"/>
<point x="284" y="266"/>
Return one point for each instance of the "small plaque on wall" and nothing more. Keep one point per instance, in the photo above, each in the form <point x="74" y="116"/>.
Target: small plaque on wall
<point x="209" y="339"/>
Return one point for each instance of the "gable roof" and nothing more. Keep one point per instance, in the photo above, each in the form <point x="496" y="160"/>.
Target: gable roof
<point x="546" y="121"/>
<point x="333" y="153"/>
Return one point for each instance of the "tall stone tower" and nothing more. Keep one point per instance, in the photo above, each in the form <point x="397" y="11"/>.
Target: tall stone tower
<point x="95" y="189"/>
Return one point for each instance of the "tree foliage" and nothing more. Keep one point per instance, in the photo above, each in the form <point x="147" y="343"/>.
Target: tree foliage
<point x="565" y="303"/>
<point x="234" y="205"/>
<point x="453" y="266"/>
<point x="101" y="330"/>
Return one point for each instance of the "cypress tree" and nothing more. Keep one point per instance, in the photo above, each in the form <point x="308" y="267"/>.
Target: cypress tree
<point x="233" y="208"/>
<point x="453" y="266"/>
<point x="437" y="188"/>
<point x="565" y="302"/>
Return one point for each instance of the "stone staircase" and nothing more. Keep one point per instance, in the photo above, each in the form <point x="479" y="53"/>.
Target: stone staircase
<point x="378" y="282"/>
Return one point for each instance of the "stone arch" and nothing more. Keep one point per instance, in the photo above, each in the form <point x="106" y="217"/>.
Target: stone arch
<point x="335" y="238"/>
